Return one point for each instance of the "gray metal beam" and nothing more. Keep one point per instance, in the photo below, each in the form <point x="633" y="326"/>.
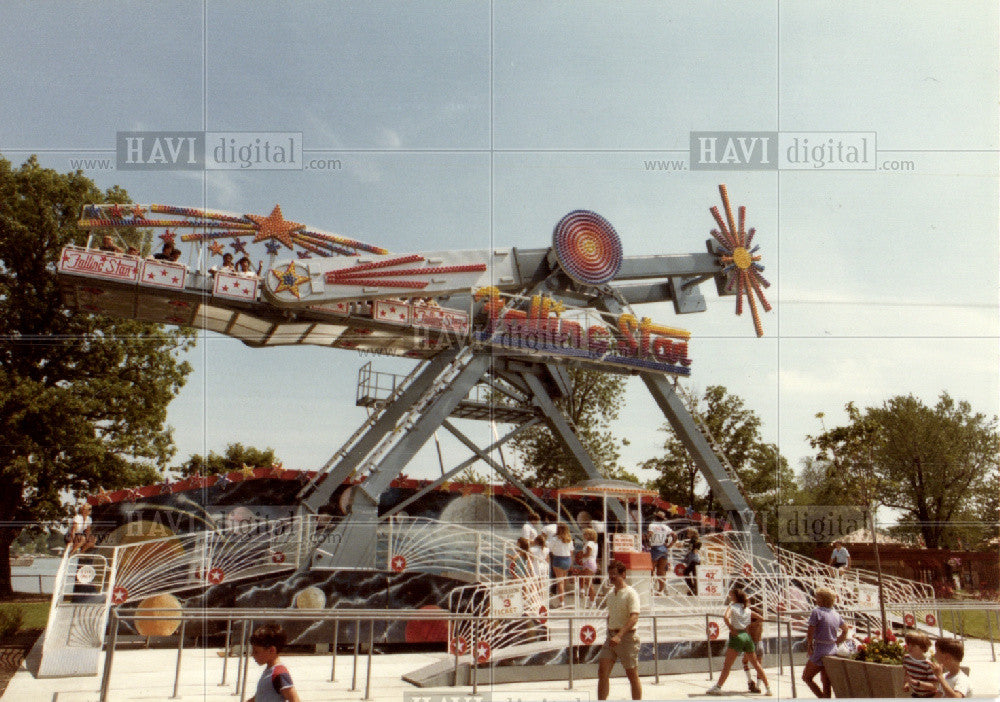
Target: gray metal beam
<point x="355" y="539"/>
<point x="346" y="466"/>
<point x="724" y="487"/>
<point x="567" y="438"/>
<point x="484" y="456"/>
<point x="460" y="467"/>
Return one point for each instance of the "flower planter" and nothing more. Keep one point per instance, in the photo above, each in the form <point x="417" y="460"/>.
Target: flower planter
<point x="850" y="678"/>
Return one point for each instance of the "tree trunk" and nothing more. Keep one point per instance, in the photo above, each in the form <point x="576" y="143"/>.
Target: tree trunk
<point x="7" y="536"/>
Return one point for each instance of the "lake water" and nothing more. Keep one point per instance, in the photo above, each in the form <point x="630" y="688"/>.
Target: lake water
<point x="43" y="571"/>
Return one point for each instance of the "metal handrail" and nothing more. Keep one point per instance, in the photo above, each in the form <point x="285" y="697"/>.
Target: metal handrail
<point x="248" y="616"/>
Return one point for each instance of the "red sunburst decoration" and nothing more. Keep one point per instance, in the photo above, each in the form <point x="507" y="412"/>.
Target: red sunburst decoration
<point x="740" y="262"/>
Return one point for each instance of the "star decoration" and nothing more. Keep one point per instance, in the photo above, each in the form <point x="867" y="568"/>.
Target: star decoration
<point x="275" y="226"/>
<point x="239" y="246"/>
<point x="119" y="595"/>
<point x="289" y="279"/>
<point x="138" y="211"/>
<point x="738" y="260"/>
<point x="272" y="248"/>
<point x="168" y="235"/>
<point x="115" y="212"/>
<point x="247" y="472"/>
<point x="216" y="576"/>
<point x="216" y="248"/>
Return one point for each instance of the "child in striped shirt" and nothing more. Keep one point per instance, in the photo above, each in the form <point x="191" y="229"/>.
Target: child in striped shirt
<point x="919" y="673"/>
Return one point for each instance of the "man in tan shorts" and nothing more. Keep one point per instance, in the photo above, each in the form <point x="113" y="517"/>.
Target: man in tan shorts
<point x="622" y="643"/>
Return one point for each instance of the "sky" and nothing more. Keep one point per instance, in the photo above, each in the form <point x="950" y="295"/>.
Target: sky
<point x="479" y="125"/>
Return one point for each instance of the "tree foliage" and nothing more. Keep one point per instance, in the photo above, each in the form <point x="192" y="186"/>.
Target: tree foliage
<point x="763" y="472"/>
<point x="83" y="398"/>
<point x="235" y="457"/>
<point x="938" y="465"/>
<point x="592" y="405"/>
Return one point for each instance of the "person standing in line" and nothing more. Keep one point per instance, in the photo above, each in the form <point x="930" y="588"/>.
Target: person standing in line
<point x="691" y="561"/>
<point x="822" y="639"/>
<point x="588" y="564"/>
<point x="530" y="528"/>
<point x="661" y="538"/>
<point x="738" y="618"/>
<point x="840" y="557"/>
<point x="80" y="538"/>
<point x="623" y="642"/>
<point x="562" y="558"/>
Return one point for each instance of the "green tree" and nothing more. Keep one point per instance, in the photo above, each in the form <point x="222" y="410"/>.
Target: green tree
<point x="938" y="465"/>
<point x="592" y="405"/>
<point x="235" y="458"/>
<point x="83" y="398"/>
<point x="763" y="472"/>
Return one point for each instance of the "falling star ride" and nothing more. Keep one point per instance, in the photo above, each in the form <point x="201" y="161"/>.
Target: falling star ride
<point x="492" y="333"/>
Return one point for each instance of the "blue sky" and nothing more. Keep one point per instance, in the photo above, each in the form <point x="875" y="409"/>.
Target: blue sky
<point x="471" y="125"/>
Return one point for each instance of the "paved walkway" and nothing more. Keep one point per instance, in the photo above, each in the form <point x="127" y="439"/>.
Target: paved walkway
<point x="148" y="676"/>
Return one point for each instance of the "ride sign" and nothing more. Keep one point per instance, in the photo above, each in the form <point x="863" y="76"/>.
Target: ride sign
<point x="507" y="601"/>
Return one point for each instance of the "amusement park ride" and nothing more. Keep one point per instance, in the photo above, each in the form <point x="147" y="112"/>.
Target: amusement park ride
<point x="506" y="320"/>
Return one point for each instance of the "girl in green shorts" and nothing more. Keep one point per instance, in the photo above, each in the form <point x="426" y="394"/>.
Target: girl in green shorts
<point x="737" y="618"/>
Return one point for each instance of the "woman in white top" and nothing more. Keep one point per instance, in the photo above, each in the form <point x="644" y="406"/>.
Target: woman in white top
<point x="540" y="556"/>
<point x="562" y="558"/>
<point x="738" y="618"/>
<point x="80" y="537"/>
<point x="588" y="563"/>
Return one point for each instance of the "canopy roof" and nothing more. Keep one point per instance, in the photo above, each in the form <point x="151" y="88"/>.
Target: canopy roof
<point x="598" y="488"/>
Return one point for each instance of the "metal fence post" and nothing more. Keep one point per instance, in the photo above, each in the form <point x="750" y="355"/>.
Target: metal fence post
<point x="246" y="665"/>
<point x="781" y="661"/>
<point x="371" y="650"/>
<point x="225" y="652"/>
<point x="239" y="661"/>
<point x="474" y="663"/>
<point x="569" y="650"/>
<point x="357" y="643"/>
<point x="333" y="648"/>
<point x="109" y="657"/>
<point x="989" y="632"/>
<point x="791" y="659"/>
<point x="656" y="654"/>
<point x="180" y="650"/>
<point x="708" y="642"/>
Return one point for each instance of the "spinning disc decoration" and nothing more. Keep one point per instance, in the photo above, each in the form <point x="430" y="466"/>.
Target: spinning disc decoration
<point x="738" y="261"/>
<point x="213" y="225"/>
<point x="587" y="247"/>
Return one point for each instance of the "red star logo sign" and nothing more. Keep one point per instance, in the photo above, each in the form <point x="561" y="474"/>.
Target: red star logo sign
<point x="119" y="595"/>
<point x="543" y="614"/>
<point x="909" y="620"/>
<point x="215" y="576"/>
<point x="459" y="645"/>
<point x="713" y="630"/>
<point x="747" y="569"/>
<point x="398" y="564"/>
<point x="482" y="652"/>
<point x="278" y="557"/>
<point x="588" y="634"/>
<point x="931" y="621"/>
